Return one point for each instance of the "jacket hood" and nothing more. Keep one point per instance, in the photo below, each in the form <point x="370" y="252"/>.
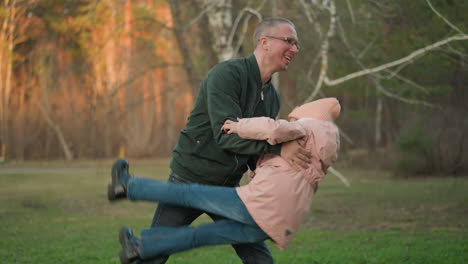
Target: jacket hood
<point x="327" y="109"/>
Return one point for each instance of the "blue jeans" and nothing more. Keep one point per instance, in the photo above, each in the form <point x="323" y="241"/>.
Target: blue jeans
<point x="180" y="204"/>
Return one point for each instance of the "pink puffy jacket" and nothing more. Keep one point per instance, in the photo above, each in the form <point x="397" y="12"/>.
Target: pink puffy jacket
<point x="279" y="197"/>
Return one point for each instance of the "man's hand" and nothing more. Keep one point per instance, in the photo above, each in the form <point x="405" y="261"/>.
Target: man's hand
<point x="297" y="156"/>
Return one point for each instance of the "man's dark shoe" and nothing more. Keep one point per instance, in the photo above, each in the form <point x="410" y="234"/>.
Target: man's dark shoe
<point x="129" y="243"/>
<point x="120" y="175"/>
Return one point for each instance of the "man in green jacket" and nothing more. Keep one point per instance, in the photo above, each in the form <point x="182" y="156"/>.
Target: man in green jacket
<point x="235" y="88"/>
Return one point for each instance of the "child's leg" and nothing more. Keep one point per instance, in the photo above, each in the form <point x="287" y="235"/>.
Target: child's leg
<point x="169" y="240"/>
<point x="218" y="200"/>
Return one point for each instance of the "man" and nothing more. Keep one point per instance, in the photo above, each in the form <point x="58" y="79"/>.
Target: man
<point x="235" y="88"/>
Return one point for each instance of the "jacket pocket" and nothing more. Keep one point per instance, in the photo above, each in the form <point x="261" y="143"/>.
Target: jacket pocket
<point x="199" y="142"/>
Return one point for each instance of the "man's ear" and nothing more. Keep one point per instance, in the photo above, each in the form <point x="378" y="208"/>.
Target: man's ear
<point x="263" y="43"/>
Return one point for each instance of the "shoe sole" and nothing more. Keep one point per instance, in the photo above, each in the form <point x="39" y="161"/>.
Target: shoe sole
<point x="124" y="259"/>
<point x="122" y="236"/>
<point x="116" y="191"/>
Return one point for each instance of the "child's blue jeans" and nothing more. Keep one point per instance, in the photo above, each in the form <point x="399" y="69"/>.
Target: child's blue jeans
<point x="239" y="227"/>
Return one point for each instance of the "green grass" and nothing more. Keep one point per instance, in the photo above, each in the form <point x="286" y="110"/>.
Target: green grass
<point x="58" y="213"/>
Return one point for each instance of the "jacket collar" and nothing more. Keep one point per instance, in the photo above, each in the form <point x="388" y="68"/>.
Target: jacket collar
<point x="256" y="71"/>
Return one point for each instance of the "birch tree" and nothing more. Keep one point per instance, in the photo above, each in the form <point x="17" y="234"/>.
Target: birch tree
<point x="329" y="30"/>
<point x="392" y="67"/>
<point x="13" y="26"/>
<point x="229" y="27"/>
<point x="220" y="17"/>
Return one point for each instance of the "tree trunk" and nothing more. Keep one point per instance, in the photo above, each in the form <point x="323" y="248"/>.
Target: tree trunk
<point x="5" y="67"/>
<point x="58" y="132"/>
<point x="45" y="81"/>
<point x="182" y="43"/>
<point x="378" y="122"/>
<point x="220" y="20"/>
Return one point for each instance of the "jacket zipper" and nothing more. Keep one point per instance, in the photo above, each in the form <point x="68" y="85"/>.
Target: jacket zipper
<point x="262" y="98"/>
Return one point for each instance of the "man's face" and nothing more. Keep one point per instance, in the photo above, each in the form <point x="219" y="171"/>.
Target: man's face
<point x="283" y="46"/>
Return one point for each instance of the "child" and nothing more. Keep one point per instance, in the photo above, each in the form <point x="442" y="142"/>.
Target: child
<point x="272" y="206"/>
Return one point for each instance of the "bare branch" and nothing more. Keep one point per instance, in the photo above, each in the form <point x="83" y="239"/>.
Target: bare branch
<point x="340" y="176"/>
<point x="391" y="75"/>
<point x="420" y="87"/>
<point x="237" y="21"/>
<point x="324" y="52"/>
<point x="402" y="99"/>
<point x="351" y="12"/>
<point x="381" y="5"/>
<point x="311" y="17"/>
<point x="58" y="131"/>
<point x="244" y="30"/>
<point x="398" y="69"/>
<point x="312" y="67"/>
<point x="135" y="76"/>
<point x="443" y="18"/>
<point x="346" y="137"/>
<point x="456" y="52"/>
<point x="358" y="61"/>
<point x="406" y="59"/>
<point x="208" y="7"/>
<point x="364" y="51"/>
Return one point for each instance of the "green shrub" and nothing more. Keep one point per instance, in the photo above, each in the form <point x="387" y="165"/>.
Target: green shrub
<point x="415" y="148"/>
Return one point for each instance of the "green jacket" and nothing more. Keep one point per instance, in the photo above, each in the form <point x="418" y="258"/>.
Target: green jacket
<point x="204" y="153"/>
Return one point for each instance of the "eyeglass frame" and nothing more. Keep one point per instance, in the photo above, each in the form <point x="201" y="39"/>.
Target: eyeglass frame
<point x="289" y="41"/>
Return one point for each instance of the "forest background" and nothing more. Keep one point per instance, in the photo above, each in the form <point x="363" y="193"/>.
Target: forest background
<point x="89" y="79"/>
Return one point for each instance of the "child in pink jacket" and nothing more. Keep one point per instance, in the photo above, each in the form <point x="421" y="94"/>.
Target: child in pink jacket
<point x="279" y="196"/>
<point x="272" y="205"/>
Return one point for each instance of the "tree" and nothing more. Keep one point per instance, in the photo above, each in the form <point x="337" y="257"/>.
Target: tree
<point x="13" y="31"/>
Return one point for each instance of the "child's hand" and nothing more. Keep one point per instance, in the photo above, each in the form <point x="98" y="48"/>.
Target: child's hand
<point x="230" y="126"/>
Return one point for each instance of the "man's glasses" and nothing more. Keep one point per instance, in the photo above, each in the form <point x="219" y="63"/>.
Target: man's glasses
<point x="290" y="41"/>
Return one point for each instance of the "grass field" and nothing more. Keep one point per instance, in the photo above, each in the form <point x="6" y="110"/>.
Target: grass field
<point x="58" y="213"/>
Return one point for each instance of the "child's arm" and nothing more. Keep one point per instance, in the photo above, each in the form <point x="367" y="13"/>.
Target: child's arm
<point x="264" y="128"/>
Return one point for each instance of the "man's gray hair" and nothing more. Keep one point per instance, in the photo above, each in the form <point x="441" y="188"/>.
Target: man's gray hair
<point x="268" y="24"/>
